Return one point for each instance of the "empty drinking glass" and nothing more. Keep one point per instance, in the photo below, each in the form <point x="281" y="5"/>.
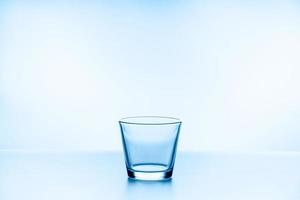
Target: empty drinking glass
<point x="149" y="144"/>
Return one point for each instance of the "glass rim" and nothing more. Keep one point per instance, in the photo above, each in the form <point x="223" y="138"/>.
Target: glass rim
<point x="150" y="120"/>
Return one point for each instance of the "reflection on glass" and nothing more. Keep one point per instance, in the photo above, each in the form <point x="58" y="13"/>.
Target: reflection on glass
<point x="150" y="146"/>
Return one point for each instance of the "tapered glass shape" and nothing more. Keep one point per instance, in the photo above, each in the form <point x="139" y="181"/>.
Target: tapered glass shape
<point x="149" y="144"/>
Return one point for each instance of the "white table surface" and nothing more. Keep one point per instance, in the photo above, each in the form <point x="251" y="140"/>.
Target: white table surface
<point x="101" y="175"/>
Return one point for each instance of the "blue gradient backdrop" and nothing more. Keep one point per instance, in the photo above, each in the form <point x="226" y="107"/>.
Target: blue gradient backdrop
<point x="229" y="69"/>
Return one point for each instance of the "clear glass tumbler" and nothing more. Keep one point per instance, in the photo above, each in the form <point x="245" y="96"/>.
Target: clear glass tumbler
<point x="149" y="144"/>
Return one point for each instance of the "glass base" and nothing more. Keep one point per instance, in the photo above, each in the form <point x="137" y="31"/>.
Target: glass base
<point x="149" y="176"/>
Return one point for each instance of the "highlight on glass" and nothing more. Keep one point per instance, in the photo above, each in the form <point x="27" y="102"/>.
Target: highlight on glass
<point x="149" y="144"/>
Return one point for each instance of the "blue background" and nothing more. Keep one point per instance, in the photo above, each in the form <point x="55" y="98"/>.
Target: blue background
<point x="70" y="69"/>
